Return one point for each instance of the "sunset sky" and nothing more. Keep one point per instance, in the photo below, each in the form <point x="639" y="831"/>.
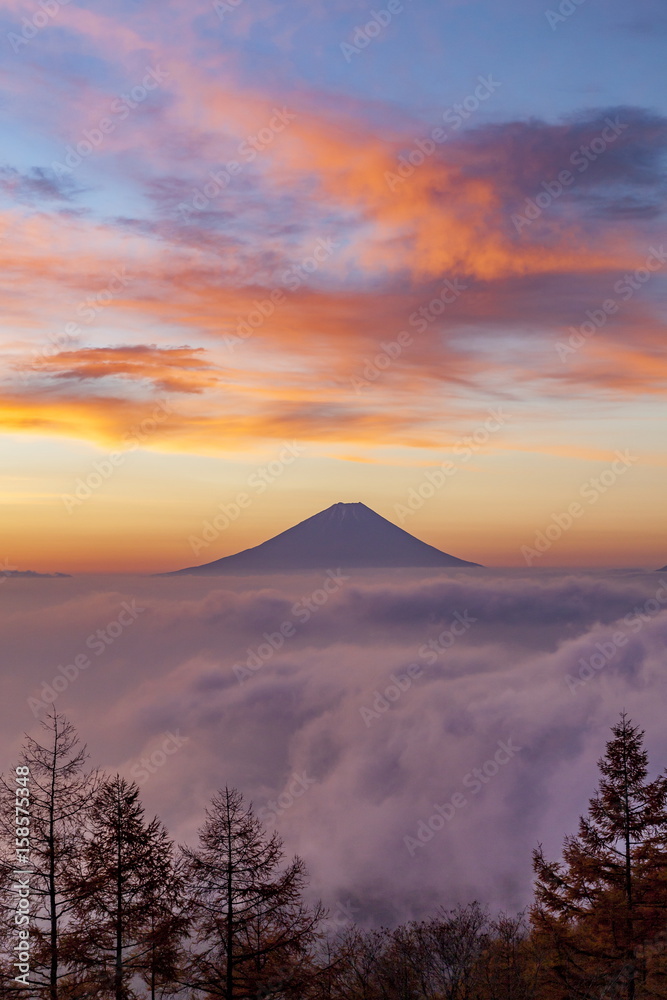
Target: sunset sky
<point x="436" y="236"/>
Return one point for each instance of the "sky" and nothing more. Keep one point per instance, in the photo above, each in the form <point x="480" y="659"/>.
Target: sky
<point x="313" y="252"/>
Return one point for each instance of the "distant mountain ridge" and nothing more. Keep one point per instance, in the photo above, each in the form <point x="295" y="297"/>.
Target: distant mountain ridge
<point x="12" y="573"/>
<point x="345" y="535"/>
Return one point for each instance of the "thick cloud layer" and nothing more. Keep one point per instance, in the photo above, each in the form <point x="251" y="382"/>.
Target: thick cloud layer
<point x="320" y="697"/>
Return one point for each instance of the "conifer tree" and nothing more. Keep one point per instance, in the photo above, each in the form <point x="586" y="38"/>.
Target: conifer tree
<point x="59" y="791"/>
<point x="601" y="906"/>
<point x="252" y="932"/>
<point x="167" y="925"/>
<point x="126" y="922"/>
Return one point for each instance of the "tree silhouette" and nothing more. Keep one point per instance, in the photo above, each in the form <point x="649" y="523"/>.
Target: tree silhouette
<point x="126" y="925"/>
<point x="600" y="907"/>
<point x="251" y="932"/>
<point x="59" y="795"/>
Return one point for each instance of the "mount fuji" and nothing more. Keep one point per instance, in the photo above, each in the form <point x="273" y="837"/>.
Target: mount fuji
<point x="344" y="535"/>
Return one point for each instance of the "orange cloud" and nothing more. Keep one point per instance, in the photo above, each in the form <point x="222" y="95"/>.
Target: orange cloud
<point x="171" y="369"/>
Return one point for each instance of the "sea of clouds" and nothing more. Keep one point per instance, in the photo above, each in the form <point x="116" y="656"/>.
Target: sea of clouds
<point x="412" y="734"/>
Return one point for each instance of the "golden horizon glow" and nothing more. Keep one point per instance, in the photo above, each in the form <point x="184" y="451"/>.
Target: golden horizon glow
<point x="252" y="252"/>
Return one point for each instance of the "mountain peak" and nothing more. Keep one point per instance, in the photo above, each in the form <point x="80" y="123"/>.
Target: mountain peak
<point x="342" y="511"/>
<point x="345" y="535"/>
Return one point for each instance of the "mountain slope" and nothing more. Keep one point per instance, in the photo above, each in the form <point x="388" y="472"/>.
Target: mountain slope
<point x="344" y="535"/>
